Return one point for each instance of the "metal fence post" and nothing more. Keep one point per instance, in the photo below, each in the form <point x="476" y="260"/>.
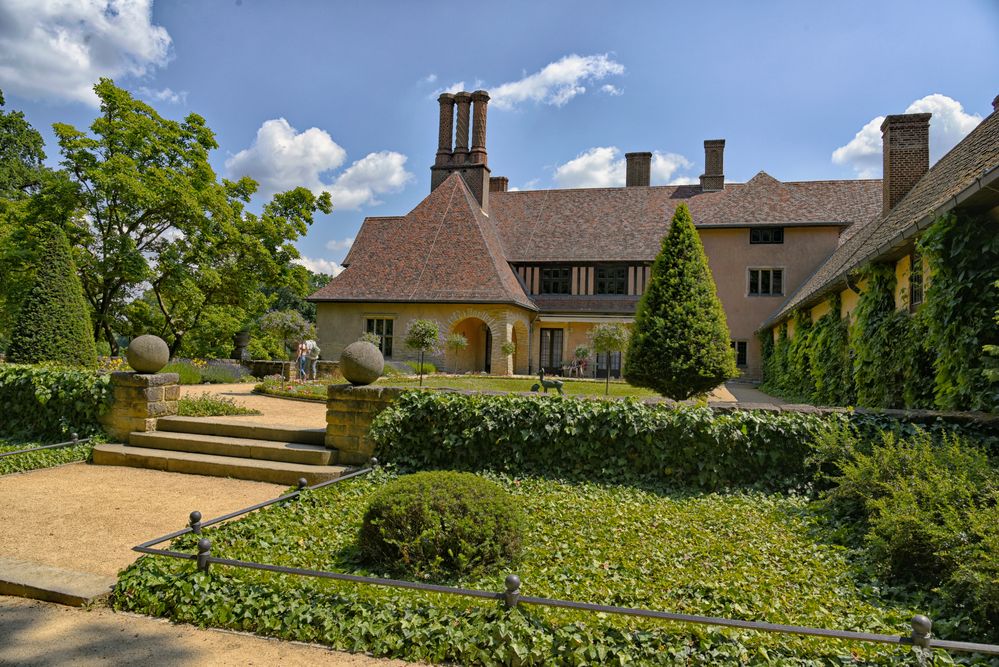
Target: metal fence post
<point x="195" y="522"/>
<point x="512" y="594"/>
<point x="302" y="483"/>
<point x="75" y="437"/>
<point x="373" y="462"/>
<point x="204" y="552"/>
<point x="921" y="631"/>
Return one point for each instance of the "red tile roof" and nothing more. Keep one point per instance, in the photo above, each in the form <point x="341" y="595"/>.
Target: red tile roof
<point x="607" y="224"/>
<point x="444" y="250"/>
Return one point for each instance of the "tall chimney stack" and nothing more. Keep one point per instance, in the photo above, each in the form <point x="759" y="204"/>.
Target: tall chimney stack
<point x="499" y="184"/>
<point x="457" y="117"/>
<point x="905" y="141"/>
<point x="445" y="133"/>
<point x="638" y="169"/>
<point x="995" y="103"/>
<point x="713" y="177"/>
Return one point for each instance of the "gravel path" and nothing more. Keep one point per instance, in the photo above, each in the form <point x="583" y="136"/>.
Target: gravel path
<point x="43" y="634"/>
<point x="275" y="410"/>
<point x="86" y="518"/>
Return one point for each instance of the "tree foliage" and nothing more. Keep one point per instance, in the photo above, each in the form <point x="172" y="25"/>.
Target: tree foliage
<point x="422" y="336"/>
<point x="53" y="323"/>
<point x="680" y="342"/>
<point x="286" y="325"/>
<point x="608" y="339"/>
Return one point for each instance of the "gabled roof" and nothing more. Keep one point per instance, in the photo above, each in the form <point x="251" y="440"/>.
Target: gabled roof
<point x="964" y="166"/>
<point x="444" y="250"/>
<point x="607" y="224"/>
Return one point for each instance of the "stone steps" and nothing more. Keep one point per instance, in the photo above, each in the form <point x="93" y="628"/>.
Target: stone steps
<point x="247" y="448"/>
<point x="237" y="428"/>
<point x="194" y="463"/>
<point x="26" y="579"/>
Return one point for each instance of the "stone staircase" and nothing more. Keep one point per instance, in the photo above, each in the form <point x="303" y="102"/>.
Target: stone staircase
<point x="227" y="448"/>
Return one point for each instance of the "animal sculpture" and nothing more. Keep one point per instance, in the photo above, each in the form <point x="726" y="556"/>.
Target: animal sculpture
<point x="548" y="384"/>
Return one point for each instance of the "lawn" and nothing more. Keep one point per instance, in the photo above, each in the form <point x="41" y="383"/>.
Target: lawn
<point x="45" y="458"/>
<point x="572" y="387"/>
<point x="747" y="555"/>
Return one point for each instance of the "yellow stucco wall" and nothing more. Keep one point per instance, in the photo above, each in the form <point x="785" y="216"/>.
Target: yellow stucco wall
<point x="820" y="310"/>
<point x="902" y="268"/>
<point x="731" y="255"/>
<point x="340" y="324"/>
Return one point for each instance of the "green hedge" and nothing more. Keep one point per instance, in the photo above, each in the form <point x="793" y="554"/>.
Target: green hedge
<point x="49" y="403"/>
<point x="45" y="458"/>
<point x="688" y="446"/>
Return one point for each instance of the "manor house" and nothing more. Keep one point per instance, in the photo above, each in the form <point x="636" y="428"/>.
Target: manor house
<point x="541" y="268"/>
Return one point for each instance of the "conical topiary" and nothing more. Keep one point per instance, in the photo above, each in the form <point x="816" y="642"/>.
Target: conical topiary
<point x="53" y="323"/>
<point x="679" y="344"/>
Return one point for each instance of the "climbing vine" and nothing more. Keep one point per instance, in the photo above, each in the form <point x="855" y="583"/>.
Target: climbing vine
<point x="831" y="367"/>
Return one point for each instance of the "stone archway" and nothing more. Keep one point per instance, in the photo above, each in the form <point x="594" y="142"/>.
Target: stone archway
<point x="483" y="336"/>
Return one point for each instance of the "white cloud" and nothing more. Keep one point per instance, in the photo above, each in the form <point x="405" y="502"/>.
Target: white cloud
<point x="319" y="265"/>
<point x="164" y="95"/>
<point x="340" y="244"/>
<point x="53" y="49"/>
<point x="949" y="124"/>
<point x="611" y="89"/>
<point x="430" y="78"/>
<point x="282" y="158"/>
<point x="556" y="83"/>
<point x="604" y="167"/>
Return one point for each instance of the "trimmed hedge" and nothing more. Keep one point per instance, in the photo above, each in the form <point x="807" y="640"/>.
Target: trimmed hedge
<point x="49" y="403"/>
<point x="441" y="522"/>
<point x="688" y="446"/>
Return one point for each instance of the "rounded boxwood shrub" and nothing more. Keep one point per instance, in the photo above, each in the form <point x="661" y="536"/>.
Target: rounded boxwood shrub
<point x="441" y="523"/>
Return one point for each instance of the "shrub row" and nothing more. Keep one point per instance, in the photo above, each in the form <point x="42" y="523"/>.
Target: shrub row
<point x="45" y="458"/>
<point x="689" y="446"/>
<point x="49" y="403"/>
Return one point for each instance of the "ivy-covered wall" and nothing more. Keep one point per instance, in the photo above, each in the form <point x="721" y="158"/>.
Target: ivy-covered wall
<point x="888" y="358"/>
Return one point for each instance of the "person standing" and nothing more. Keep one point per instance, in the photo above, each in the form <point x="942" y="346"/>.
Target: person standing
<point x="302" y="359"/>
<point x="312" y="355"/>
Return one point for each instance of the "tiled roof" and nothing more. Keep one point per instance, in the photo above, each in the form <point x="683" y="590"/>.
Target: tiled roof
<point x="444" y="250"/>
<point x="606" y="224"/>
<point x="975" y="155"/>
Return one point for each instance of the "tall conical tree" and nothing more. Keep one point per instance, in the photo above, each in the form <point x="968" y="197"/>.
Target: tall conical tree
<point x="54" y="323"/>
<point x="679" y="344"/>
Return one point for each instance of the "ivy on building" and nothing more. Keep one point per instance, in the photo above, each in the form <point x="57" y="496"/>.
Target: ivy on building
<point x="888" y="358"/>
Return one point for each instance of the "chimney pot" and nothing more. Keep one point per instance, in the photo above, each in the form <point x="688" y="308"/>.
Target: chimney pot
<point x="905" y="141"/>
<point x="464" y="101"/>
<point x="480" y="99"/>
<point x="713" y="177"/>
<point x="446" y="130"/>
<point x="995" y="103"/>
<point x="499" y="184"/>
<point x="638" y="170"/>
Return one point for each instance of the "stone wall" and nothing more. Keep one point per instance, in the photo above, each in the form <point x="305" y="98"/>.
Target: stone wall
<point x="138" y="400"/>
<point x="349" y="413"/>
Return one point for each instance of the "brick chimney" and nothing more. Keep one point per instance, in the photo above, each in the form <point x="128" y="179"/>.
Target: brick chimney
<point x="639" y="169"/>
<point x="498" y="184"/>
<point x="461" y="113"/>
<point x="905" y="141"/>
<point x="713" y="177"/>
<point x="995" y="103"/>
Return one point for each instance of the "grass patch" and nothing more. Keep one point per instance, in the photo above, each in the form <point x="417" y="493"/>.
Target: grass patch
<point x="45" y="458"/>
<point x="572" y="387"/>
<point x="212" y="405"/>
<point x="746" y="555"/>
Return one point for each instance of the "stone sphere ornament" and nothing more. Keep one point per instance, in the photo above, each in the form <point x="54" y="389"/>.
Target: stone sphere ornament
<point x="361" y="363"/>
<point x="148" y="354"/>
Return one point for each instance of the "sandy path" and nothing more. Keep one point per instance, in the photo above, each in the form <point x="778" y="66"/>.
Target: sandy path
<point x="86" y="518"/>
<point x="43" y="634"/>
<point x="275" y="410"/>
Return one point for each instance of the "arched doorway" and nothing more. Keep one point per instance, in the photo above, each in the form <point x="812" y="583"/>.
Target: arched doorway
<point x="477" y="355"/>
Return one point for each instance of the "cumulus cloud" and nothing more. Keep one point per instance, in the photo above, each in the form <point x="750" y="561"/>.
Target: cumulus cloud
<point x="57" y="50"/>
<point x="949" y="124"/>
<point x="556" y="83"/>
<point x="604" y="167"/>
<point x="282" y="158"/>
<point x="163" y="95"/>
<point x="611" y="89"/>
<point x="319" y="265"/>
<point x="340" y="244"/>
<point x="430" y="78"/>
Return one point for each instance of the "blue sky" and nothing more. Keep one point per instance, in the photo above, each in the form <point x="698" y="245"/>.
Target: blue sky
<point x="340" y="96"/>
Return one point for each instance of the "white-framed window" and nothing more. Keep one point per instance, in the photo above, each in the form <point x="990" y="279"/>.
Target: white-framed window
<point x="383" y="328"/>
<point x="766" y="282"/>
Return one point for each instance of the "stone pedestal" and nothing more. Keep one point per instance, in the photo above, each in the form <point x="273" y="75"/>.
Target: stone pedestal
<point x="349" y="413"/>
<point x="138" y="400"/>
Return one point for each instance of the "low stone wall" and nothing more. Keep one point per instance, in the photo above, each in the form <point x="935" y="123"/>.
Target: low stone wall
<point x="325" y="369"/>
<point x="138" y="400"/>
<point x="349" y="413"/>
